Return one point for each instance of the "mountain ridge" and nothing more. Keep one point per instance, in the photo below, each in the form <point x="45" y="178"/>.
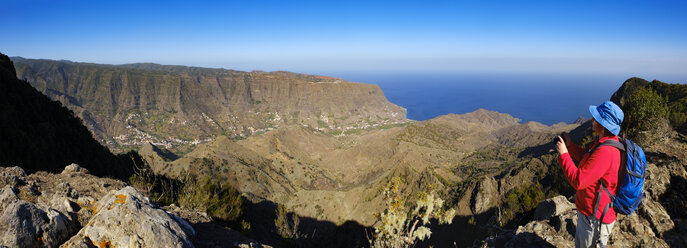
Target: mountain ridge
<point x="126" y="106"/>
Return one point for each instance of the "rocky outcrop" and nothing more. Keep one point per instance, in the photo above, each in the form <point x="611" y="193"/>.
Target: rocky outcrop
<point x="24" y="224"/>
<point x="555" y="221"/>
<point x="74" y="168"/>
<point x="552" y="207"/>
<point x="486" y="197"/>
<point x="76" y="209"/>
<point x="557" y="229"/>
<point x="126" y="218"/>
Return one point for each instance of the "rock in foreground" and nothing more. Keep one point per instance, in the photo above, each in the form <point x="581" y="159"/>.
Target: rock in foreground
<point x="126" y="218"/>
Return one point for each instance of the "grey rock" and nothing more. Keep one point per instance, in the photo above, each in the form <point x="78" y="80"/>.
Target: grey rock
<point x="486" y="196"/>
<point x="633" y="231"/>
<point x="657" y="216"/>
<point x="13" y="176"/>
<point x="74" y="168"/>
<point x="657" y="181"/>
<point x="556" y="221"/>
<point x="552" y="207"/>
<point x="250" y="245"/>
<point x="126" y="218"/>
<point x="23" y="224"/>
<point x="65" y="189"/>
<point x="7" y="197"/>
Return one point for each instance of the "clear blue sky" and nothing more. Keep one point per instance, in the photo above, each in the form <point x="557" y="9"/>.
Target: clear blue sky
<point x="624" y="37"/>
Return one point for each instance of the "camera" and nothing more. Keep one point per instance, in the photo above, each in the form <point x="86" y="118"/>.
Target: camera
<point x="562" y="135"/>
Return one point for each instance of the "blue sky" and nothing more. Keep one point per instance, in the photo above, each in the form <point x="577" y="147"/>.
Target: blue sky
<point x="613" y="37"/>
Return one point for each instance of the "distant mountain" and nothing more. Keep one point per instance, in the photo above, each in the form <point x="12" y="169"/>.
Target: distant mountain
<point x="175" y="106"/>
<point x="37" y="133"/>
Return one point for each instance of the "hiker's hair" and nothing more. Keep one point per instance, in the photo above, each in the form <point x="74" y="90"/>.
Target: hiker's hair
<point x="607" y="133"/>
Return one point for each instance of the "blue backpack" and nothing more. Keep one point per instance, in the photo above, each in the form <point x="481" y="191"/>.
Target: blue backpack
<point x="630" y="178"/>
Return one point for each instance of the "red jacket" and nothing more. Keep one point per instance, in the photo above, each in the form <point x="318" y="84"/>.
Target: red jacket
<point x="604" y="164"/>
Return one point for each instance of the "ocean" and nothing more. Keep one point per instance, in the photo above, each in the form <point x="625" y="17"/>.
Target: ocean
<point x="547" y="99"/>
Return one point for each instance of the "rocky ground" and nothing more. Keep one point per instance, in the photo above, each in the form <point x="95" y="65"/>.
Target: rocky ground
<point x="77" y="209"/>
<point x="660" y="221"/>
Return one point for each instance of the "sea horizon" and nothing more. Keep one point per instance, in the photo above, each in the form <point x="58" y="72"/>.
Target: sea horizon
<point x="540" y="97"/>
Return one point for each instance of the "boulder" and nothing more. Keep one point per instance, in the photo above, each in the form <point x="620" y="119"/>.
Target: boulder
<point x="126" y="218"/>
<point x="13" y="176"/>
<point x="23" y="224"/>
<point x="552" y="207"/>
<point x="74" y="168"/>
<point x="7" y="197"/>
<point x="555" y="228"/>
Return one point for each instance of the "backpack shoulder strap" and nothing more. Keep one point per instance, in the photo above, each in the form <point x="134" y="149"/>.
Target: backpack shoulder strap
<point x="613" y="143"/>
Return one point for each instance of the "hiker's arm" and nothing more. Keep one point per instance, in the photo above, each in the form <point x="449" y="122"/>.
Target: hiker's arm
<point x="589" y="172"/>
<point x="574" y="150"/>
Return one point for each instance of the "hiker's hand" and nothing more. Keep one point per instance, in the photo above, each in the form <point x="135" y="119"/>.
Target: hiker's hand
<point x="560" y="146"/>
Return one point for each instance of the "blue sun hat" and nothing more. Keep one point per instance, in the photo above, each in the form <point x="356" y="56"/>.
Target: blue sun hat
<point x="608" y="115"/>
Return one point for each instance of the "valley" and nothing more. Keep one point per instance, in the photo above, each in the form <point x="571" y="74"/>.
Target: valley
<point x="177" y="107"/>
<point x="317" y="151"/>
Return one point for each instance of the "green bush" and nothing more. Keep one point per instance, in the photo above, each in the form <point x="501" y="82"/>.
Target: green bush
<point x="644" y="111"/>
<point x="219" y="200"/>
<point x="522" y="199"/>
<point x="676" y="96"/>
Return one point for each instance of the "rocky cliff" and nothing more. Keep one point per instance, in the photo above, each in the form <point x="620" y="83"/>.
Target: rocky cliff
<point x="76" y="209"/>
<point x="172" y="106"/>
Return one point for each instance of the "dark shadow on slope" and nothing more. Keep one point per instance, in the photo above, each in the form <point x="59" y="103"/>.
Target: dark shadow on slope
<point x="528" y="239"/>
<point x="167" y="155"/>
<point x="674" y="200"/>
<point x="39" y="134"/>
<point x="468" y="231"/>
<point x="314" y="233"/>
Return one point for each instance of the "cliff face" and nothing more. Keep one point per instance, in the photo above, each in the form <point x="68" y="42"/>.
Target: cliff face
<point x="176" y="105"/>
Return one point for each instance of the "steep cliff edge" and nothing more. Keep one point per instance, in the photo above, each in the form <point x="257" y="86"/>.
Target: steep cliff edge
<point x="131" y="105"/>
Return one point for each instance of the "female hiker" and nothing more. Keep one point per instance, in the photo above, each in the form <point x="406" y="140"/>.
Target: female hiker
<point x="595" y="166"/>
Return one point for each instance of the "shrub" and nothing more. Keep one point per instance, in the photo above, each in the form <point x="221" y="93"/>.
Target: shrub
<point x="219" y="200"/>
<point x="520" y="200"/>
<point x="158" y="187"/>
<point x="646" y="114"/>
<point x="399" y="227"/>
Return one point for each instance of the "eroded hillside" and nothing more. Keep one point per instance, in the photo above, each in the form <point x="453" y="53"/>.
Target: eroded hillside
<point x="339" y="178"/>
<point x="175" y="106"/>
